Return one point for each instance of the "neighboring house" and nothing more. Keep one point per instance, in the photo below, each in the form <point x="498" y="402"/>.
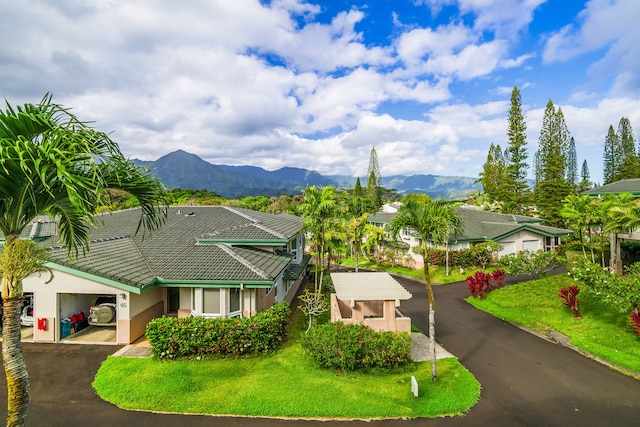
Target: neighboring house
<point x="212" y="261"/>
<point x="631" y="186"/>
<point x="515" y="233"/>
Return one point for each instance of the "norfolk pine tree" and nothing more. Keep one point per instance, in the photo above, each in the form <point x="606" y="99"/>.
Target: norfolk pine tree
<point x="612" y="156"/>
<point x="517" y="188"/>
<point x="493" y="175"/>
<point x="572" y="164"/>
<point x="630" y="164"/>
<point x="374" y="181"/>
<point x="585" y="184"/>
<point x="552" y="187"/>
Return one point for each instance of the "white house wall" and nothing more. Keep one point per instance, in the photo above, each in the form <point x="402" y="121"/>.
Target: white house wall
<point x="523" y="240"/>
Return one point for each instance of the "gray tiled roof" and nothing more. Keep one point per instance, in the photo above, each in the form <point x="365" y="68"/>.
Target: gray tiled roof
<point x="623" y="186"/>
<point x="184" y="249"/>
<point x="484" y="225"/>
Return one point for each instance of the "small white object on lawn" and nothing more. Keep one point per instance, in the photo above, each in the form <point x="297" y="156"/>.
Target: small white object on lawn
<point x="414" y="386"/>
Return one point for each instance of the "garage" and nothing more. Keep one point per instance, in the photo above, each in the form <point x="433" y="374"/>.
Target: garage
<point x="507" y="248"/>
<point x="27" y="318"/>
<point x="87" y="318"/>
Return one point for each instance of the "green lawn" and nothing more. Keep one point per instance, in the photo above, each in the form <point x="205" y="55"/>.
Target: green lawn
<point x="284" y="384"/>
<point x="437" y="274"/>
<point x="600" y="330"/>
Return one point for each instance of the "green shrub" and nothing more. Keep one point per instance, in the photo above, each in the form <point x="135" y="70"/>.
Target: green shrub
<point x="354" y="347"/>
<point x="172" y="337"/>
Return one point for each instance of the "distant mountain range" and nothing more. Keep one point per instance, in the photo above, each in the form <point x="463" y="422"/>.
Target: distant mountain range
<point x="186" y="170"/>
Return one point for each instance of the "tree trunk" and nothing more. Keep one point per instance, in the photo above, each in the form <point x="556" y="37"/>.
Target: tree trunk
<point x="14" y="365"/>
<point x="432" y="318"/>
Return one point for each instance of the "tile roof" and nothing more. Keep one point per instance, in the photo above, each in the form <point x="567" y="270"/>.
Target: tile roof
<point x="482" y="225"/>
<point x="183" y="250"/>
<point x="623" y="186"/>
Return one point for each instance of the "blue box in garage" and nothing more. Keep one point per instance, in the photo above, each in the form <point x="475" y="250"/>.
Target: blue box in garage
<point x="65" y="328"/>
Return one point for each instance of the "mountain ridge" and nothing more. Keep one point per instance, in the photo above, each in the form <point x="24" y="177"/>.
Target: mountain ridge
<point x="186" y="170"/>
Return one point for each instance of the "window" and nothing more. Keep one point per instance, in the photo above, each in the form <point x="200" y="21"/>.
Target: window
<point x="210" y="301"/>
<point x="234" y="301"/>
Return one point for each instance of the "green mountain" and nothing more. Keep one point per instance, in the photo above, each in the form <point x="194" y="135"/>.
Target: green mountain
<point x="186" y="170"/>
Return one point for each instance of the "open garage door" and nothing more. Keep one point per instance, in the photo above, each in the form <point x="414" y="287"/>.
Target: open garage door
<point x="27" y="317"/>
<point x="87" y="318"/>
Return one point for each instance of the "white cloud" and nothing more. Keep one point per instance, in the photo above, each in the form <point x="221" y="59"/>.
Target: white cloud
<point x="273" y="85"/>
<point x="611" y="25"/>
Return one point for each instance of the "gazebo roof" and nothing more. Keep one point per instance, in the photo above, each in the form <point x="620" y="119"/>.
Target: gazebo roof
<point x="368" y="286"/>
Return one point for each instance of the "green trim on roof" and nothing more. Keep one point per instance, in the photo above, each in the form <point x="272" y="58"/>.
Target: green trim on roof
<point x="98" y="279"/>
<point x="532" y="229"/>
<point x="164" y="283"/>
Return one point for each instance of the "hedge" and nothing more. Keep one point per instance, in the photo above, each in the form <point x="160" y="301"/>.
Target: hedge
<point x="336" y="345"/>
<point x="199" y="337"/>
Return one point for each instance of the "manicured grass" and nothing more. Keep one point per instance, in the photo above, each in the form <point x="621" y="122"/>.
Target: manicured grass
<point x="600" y="330"/>
<point x="284" y="384"/>
<point x="438" y="274"/>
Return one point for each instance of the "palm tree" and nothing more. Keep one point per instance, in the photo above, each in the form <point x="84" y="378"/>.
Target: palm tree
<point x="356" y="222"/>
<point x="435" y="221"/>
<point x="319" y="207"/>
<point x="52" y="163"/>
<point x="580" y="213"/>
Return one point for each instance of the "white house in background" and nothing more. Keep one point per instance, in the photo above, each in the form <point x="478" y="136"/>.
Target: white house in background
<point x="213" y="261"/>
<point x="515" y="233"/>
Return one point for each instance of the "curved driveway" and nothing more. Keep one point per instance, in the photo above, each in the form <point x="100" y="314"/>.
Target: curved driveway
<point x="526" y="381"/>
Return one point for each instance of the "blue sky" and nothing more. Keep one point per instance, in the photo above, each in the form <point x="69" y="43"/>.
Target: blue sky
<point x="317" y="84"/>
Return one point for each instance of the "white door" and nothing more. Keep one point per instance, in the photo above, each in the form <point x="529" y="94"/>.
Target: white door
<point x="507" y="248"/>
<point x="531" y="245"/>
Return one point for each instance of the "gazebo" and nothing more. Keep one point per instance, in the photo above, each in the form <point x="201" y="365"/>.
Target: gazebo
<point x="369" y="298"/>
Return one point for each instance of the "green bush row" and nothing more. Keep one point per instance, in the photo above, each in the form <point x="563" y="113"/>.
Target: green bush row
<point x="352" y="347"/>
<point x="172" y="337"/>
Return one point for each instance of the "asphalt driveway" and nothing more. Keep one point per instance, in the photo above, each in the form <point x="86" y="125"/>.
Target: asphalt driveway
<point x="526" y="381"/>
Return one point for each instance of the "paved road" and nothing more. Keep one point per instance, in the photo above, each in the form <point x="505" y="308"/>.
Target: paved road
<point x="526" y="381"/>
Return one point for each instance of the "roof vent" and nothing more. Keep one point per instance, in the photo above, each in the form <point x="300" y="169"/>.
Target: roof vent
<point x="179" y="212"/>
<point x="190" y="214"/>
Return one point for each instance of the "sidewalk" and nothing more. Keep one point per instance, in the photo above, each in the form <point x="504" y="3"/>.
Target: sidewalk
<point x="420" y="348"/>
<point x="140" y="348"/>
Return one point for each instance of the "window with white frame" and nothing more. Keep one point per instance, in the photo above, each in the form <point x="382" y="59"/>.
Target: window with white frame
<point x="211" y="302"/>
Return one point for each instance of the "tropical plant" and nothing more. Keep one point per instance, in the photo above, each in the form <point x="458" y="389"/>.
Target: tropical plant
<point x="435" y="221"/>
<point x="531" y="263"/>
<point x="580" y="213"/>
<point x="319" y="207"/>
<point x="52" y="163"/>
<point x="570" y="299"/>
<point x="483" y="252"/>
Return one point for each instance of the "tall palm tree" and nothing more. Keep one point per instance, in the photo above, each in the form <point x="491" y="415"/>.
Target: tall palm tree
<point x="435" y="221"/>
<point x="52" y="163"/>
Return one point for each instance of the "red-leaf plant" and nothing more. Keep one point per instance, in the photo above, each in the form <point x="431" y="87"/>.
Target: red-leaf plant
<point x="498" y="276"/>
<point x="570" y="298"/>
<point x="635" y="319"/>
<point x="479" y="283"/>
